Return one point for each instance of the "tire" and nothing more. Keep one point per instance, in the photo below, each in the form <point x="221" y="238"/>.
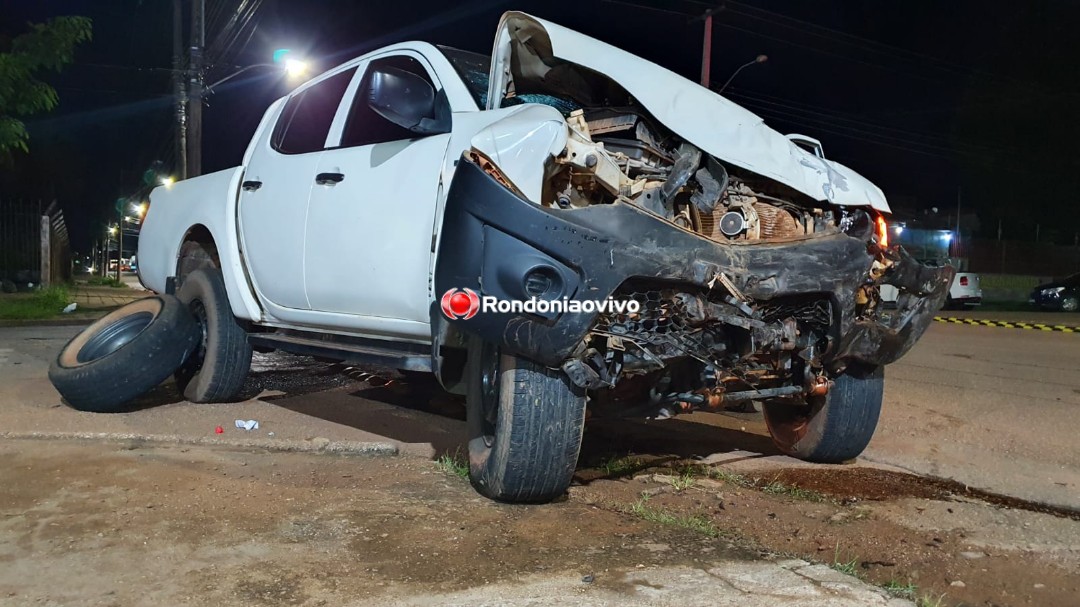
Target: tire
<point x="124" y="354"/>
<point x="833" y="428"/>
<point x="1070" y="304"/>
<point x="525" y="424"/>
<point x="216" y="370"/>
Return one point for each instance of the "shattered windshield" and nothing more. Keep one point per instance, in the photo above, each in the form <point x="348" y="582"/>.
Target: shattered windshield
<point x="473" y="68"/>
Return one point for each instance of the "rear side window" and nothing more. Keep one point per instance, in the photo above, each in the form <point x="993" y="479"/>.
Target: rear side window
<point x="305" y="121"/>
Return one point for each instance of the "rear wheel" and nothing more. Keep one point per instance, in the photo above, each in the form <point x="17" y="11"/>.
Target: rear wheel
<point x="1070" y="304"/>
<point x="216" y="370"/>
<point x="525" y="423"/>
<point x="833" y="428"/>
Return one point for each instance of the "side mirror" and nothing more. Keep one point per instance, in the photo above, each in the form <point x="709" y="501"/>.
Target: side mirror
<point x="408" y="101"/>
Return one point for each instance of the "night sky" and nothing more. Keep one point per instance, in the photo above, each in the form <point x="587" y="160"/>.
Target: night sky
<point x="925" y="98"/>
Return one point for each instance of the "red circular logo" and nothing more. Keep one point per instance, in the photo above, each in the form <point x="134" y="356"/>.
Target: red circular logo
<point x="460" y="304"/>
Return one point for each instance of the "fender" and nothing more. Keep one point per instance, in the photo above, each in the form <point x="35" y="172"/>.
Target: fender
<point x="174" y="211"/>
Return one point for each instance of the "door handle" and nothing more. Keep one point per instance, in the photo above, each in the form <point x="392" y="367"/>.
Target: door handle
<point x="251" y="186"/>
<point x="329" y="178"/>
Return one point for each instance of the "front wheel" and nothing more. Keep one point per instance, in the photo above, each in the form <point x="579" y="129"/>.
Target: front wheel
<point x="1070" y="304"/>
<point x="525" y="424"/>
<point x="833" y="428"/>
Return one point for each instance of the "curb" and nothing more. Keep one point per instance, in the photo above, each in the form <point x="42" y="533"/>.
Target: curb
<point x="1034" y="326"/>
<point x="278" y="446"/>
<point x="49" y="322"/>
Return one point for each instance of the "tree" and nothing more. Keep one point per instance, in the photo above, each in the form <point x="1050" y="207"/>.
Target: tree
<point x="46" y="47"/>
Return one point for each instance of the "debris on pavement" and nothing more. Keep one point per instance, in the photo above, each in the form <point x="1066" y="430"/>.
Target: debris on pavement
<point x="68" y="309"/>
<point x="248" y="424"/>
<point x="219" y="430"/>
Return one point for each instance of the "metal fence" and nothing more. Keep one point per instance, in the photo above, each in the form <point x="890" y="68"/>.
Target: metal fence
<point x="34" y="246"/>
<point x="1027" y="258"/>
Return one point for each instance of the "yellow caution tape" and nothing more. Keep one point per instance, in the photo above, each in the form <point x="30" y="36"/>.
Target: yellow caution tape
<point x="1035" y="326"/>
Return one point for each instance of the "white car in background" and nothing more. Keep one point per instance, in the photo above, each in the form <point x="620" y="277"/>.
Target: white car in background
<point x="964" y="291"/>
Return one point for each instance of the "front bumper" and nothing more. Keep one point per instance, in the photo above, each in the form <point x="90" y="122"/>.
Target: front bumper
<point x="491" y="239"/>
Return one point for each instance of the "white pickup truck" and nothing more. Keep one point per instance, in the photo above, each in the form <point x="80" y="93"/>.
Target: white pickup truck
<point x="397" y="207"/>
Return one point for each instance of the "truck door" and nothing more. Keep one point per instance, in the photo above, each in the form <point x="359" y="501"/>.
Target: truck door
<point x="278" y="179"/>
<point x="369" y="228"/>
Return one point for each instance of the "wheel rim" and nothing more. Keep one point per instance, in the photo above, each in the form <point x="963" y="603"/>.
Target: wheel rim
<point x="194" y="362"/>
<point x="789" y="422"/>
<point x="198" y="310"/>
<point x="489" y="394"/>
<point x="114" y="336"/>
<point x="1070" y="304"/>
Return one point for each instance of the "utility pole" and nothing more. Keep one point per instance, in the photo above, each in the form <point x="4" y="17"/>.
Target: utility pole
<point x="959" y="247"/>
<point x="706" y="45"/>
<point x="119" y="244"/>
<point x="195" y="91"/>
<point x="179" y="88"/>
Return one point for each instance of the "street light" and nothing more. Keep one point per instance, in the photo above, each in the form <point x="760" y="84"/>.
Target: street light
<point x="293" y="68"/>
<point x="758" y="59"/>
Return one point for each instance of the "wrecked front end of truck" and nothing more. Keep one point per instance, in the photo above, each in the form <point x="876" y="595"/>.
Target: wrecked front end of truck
<point x="754" y="265"/>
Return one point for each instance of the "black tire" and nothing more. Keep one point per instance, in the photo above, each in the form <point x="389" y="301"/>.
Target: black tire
<point x="833" y="428"/>
<point x="216" y="370"/>
<point x="525" y="423"/>
<point x="124" y="354"/>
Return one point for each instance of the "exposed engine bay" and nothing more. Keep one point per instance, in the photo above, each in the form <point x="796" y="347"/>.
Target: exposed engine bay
<point x="620" y="155"/>
<point x="687" y="346"/>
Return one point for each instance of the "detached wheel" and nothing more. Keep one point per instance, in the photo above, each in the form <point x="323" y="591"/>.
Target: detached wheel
<point x="125" y="354"/>
<point x="217" y="368"/>
<point x="833" y="428"/>
<point x="525" y="424"/>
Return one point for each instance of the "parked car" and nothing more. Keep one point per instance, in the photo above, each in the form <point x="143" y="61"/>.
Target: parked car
<point x="397" y="208"/>
<point x="1061" y="294"/>
<point x="964" y="290"/>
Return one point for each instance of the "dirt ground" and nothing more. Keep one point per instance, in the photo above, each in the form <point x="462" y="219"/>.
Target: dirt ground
<point x="101" y="524"/>
<point x="888" y="527"/>
<point x="968" y="495"/>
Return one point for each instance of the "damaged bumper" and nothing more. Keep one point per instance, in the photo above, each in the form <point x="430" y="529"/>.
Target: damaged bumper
<point x="499" y="244"/>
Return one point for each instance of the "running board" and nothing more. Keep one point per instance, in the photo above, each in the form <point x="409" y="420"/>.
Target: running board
<point x="356" y="350"/>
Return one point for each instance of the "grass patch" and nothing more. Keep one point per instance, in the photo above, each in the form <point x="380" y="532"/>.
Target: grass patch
<point x="616" y="467"/>
<point x="693" y="522"/>
<point x="929" y="601"/>
<point x="454" y="464"/>
<point x="778" y="488"/>
<point x="849" y="567"/>
<point x="45" y="303"/>
<point x="904" y="591"/>
<point x="106" y="281"/>
<point x="684" y="480"/>
<point x="772" y="487"/>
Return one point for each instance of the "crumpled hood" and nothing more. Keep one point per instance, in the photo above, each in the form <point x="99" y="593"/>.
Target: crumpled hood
<point x="528" y="49"/>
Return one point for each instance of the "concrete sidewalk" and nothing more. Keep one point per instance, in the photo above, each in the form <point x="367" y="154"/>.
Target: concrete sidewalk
<point x="104" y="298"/>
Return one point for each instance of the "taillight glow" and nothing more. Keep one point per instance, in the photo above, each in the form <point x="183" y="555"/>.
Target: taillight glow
<point x="882" y="231"/>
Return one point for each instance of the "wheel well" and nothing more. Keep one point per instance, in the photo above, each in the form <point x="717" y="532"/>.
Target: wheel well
<point x="197" y="249"/>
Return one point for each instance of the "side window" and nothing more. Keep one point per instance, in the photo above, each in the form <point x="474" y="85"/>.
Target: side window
<point x="365" y="127"/>
<point x="305" y="121"/>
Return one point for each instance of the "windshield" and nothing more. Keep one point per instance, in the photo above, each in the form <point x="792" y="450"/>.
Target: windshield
<point x="473" y="69"/>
